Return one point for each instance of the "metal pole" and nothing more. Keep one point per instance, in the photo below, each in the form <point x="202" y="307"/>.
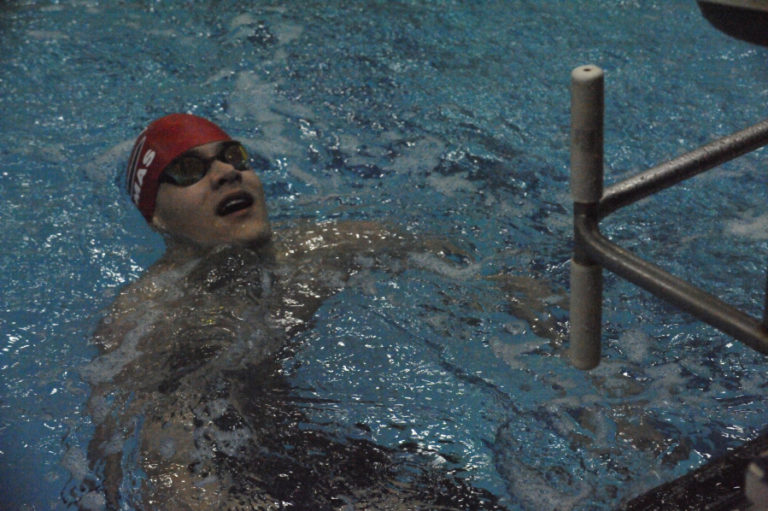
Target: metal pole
<point x="683" y="167"/>
<point x="587" y="108"/>
<point x="765" y="304"/>
<point x="647" y="275"/>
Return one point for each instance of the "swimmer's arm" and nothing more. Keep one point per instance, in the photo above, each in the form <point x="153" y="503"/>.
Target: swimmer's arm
<point x="169" y="480"/>
<point x="105" y="461"/>
<point x="167" y="449"/>
<point x="533" y="300"/>
<point x="363" y="238"/>
<point x="121" y="318"/>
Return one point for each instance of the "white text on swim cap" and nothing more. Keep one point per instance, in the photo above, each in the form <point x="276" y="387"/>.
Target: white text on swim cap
<point x="138" y="181"/>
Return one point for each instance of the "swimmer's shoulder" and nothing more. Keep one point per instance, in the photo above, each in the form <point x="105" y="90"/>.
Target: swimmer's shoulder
<point x="133" y="303"/>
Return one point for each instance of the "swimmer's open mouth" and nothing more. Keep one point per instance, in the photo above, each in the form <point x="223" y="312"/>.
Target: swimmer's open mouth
<point x="233" y="203"/>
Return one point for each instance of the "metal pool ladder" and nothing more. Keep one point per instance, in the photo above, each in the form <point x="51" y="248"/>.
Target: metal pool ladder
<point x="592" y="251"/>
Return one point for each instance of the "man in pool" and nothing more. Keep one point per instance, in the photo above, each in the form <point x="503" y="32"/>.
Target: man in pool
<point x="189" y="402"/>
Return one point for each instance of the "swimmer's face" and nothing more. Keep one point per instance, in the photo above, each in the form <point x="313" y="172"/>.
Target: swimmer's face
<point x="226" y="206"/>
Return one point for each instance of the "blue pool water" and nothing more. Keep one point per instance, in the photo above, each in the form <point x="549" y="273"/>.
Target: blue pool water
<point x="448" y="119"/>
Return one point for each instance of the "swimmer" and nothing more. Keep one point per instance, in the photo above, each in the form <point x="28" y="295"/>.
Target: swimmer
<point x="189" y="405"/>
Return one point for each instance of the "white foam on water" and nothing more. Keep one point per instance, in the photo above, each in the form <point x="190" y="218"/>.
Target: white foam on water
<point x="101" y="169"/>
<point x="242" y="19"/>
<point x="105" y="367"/>
<point x="444" y="267"/>
<point x="76" y="462"/>
<point x="114" y="444"/>
<point x="220" y="75"/>
<point x="667" y="381"/>
<point x="635" y="344"/>
<point x="513" y="353"/>
<point x="749" y="226"/>
<point x="167" y="448"/>
<point x="287" y="32"/>
<point x="47" y="35"/>
<point x="231" y="441"/>
<point x="419" y="156"/>
<point x="93" y="501"/>
<point x="98" y="408"/>
<point x="259" y="100"/>
<point x="451" y="185"/>
<point x="255" y="99"/>
<point x="531" y="487"/>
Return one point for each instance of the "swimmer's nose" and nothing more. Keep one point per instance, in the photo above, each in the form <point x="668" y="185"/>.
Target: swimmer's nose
<point x="223" y="173"/>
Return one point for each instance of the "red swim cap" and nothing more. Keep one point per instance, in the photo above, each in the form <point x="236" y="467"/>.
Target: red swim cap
<point x="157" y="146"/>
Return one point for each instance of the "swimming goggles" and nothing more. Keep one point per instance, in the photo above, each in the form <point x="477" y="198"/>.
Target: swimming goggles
<point x="189" y="168"/>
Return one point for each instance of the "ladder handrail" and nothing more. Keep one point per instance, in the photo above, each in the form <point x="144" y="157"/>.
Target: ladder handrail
<point x="663" y="284"/>
<point x="683" y="167"/>
<point x="592" y="251"/>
